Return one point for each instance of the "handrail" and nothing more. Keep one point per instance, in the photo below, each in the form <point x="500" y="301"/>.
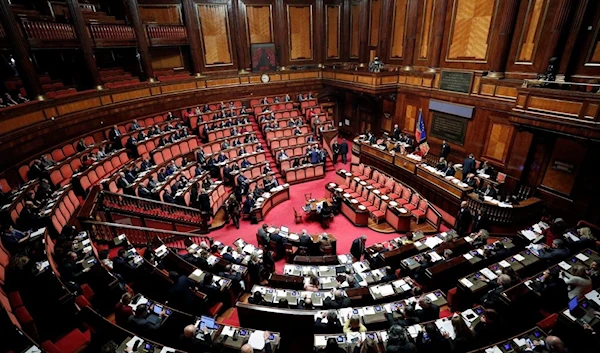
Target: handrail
<point x="106" y="231"/>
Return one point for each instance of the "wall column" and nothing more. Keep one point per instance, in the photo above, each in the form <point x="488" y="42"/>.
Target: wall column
<point x="21" y="50"/>
<point x="439" y="22"/>
<point x="84" y="40"/>
<point x="557" y="32"/>
<point x="565" y="58"/>
<point x="411" y="35"/>
<point x="193" y="31"/>
<point x="140" y="35"/>
<point x="506" y="26"/>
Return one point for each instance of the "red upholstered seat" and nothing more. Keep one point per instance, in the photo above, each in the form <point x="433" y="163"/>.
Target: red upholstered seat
<point x="74" y="341"/>
<point x="15" y="299"/>
<point x="215" y="309"/>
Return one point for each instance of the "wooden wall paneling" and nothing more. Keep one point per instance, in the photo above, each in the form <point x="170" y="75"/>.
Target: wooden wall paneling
<point x="319" y="31"/>
<point x="532" y="30"/>
<point x="193" y="31"/>
<point x="566" y="152"/>
<point x="300" y="32"/>
<point x="568" y="59"/>
<point x="259" y="22"/>
<point x="411" y="112"/>
<point x="410" y="35"/>
<point x="587" y="60"/>
<point x="399" y="16"/>
<point x="499" y="140"/>
<point x="388" y="110"/>
<point x="556" y="35"/>
<point x="333" y="16"/>
<point x="240" y="35"/>
<point x="469" y="26"/>
<point x="437" y="36"/>
<point x="425" y="29"/>
<point x="161" y="13"/>
<point x="374" y="22"/>
<point x="517" y="158"/>
<point x="354" y="30"/>
<point x="280" y="35"/>
<point x="216" y="33"/>
<point x="502" y="37"/>
<point x="167" y="58"/>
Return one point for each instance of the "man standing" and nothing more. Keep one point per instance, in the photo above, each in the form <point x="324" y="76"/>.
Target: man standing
<point x="445" y="150"/>
<point x="336" y="151"/>
<point x="468" y="166"/>
<point x="463" y="219"/>
<point x="344" y="150"/>
<point x="358" y="247"/>
<point x="396" y="133"/>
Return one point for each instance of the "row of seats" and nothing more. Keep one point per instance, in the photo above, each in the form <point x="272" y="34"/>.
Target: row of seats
<point x="101" y="169"/>
<point x="178" y="148"/>
<point x="178" y="76"/>
<point x="289" y="141"/>
<point x="232" y="152"/>
<point x="115" y="78"/>
<point x="111" y="72"/>
<point x="304" y="173"/>
<point x="125" y="83"/>
<point x="284" y="131"/>
<point x="147" y="122"/>
<point x="226" y="132"/>
<point x="273" y="107"/>
<point x="215" y="146"/>
<point x="166" y="32"/>
<point x="292" y="151"/>
<point x="211" y="122"/>
<point x="18" y="203"/>
<point x="64" y="210"/>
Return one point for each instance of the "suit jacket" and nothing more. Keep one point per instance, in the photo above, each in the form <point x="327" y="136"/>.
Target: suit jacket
<point x="428" y="314"/>
<point x="480" y="222"/>
<point x="553" y="255"/>
<point x="168" y="198"/>
<point x="122" y="266"/>
<point x="306" y="241"/>
<point x="396" y="134"/>
<point x="143" y="324"/>
<point x="343" y="147"/>
<point x="194" y="344"/>
<point x="329" y="303"/>
<point x="489" y="192"/>
<point x="329" y="327"/>
<point x="114" y="134"/>
<point x="445" y="150"/>
<point x="468" y="166"/>
<point x="357" y="248"/>
<point x="248" y="204"/>
<point x="449" y="171"/>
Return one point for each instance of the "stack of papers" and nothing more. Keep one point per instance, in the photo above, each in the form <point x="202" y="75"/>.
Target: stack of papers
<point x="386" y="290"/>
<point x="257" y="340"/>
<point x="493" y="349"/>
<point x="504" y="263"/>
<point x="432" y="242"/>
<point x="446" y="326"/>
<point x="489" y="274"/>
<point x="468" y="256"/>
<point x="582" y="257"/>
<point x="529" y="235"/>
<point x="133" y="341"/>
<point x="565" y="266"/>
<point x="519" y="257"/>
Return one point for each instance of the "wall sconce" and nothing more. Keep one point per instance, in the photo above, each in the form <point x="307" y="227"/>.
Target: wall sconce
<point x="99" y="87"/>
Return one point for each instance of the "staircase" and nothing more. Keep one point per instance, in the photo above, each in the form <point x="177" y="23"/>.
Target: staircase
<point x="268" y="155"/>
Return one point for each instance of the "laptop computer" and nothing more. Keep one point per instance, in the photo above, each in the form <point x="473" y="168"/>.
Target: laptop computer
<point x="208" y="322"/>
<point x="579" y="311"/>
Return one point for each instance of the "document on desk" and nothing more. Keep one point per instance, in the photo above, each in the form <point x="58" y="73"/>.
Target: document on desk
<point x="571" y="236"/>
<point x="133" y="341"/>
<point x="418" y="244"/>
<point x="446" y="326"/>
<point x="519" y="257"/>
<point x="466" y="283"/>
<point x="468" y="256"/>
<point x="582" y="257"/>
<point x="167" y="350"/>
<point x="504" y="263"/>
<point x="414" y="330"/>
<point x="343" y="259"/>
<point x="493" y="349"/>
<point x="37" y="233"/>
<point x="257" y="340"/>
<point x="529" y="234"/>
<point x="320" y="340"/>
<point x="565" y="266"/>
<point x="593" y="295"/>
<point x="435" y="257"/>
<point x="520" y="342"/>
<point x="294" y="237"/>
<point x="318" y="316"/>
<point x="281" y="293"/>
<point x="369" y="311"/>
<point x="248" y="249"/>
<point x="399" y="283"/>
<point x="468" y="239"/>
<point x="489" y="274"/>
<point x="386" y="290"/>
<point x="359" y="267"/>
<point x="432" y="242"/>
<point x="432" y="296"/>
<point x="536" y="228"/>
<point x="469" y="316"/>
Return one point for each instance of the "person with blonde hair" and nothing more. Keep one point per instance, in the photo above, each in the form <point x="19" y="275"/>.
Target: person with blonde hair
<point x="354" y="325"/>
<point x="579" y="283"/>
<point x="463" y="340"/>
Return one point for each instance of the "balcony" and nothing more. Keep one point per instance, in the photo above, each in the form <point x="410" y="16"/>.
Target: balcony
<point x="112" y="35"/>
<point x="160" y="35"/>
<point x="50" y="34"/>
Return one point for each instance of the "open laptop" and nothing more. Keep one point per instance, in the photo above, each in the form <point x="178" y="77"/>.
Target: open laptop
<point x="579" y="311"/>
<point x="208" y="322"/>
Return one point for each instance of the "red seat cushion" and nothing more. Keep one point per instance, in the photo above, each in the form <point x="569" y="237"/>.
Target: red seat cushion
<point x="361" y="199"/>
<point x="49" y="347"/>
<point x="393" y="196"/>
<point x="354" y="195"/>
<point x="378" y="214"/>
<point x="15" y="299"/>
<point x="366" y="203"/>
<point x="376" y="185"/>
<point x="418" y="213"/>
<point x="409" y="206"/>
<point x="73" y="341"/>
<point x="372" y="208"/>
<point x="362" y="177"/>
<point x="402" y="201"/>
<point x="215" y="309"/>
<point x="384" y="190"/>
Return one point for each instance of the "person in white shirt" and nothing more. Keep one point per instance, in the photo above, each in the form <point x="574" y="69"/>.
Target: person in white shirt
<point x="579" y="283"/>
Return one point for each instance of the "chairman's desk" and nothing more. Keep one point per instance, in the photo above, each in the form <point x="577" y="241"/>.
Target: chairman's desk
<point x="265" y="204"/>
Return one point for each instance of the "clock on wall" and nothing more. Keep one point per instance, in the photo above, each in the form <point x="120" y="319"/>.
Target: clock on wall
<point x="265" y="78"/>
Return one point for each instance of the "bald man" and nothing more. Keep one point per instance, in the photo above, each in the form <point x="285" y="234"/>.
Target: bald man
<point x="552" y="344"/>
<point x="189" y="343"/>
<point x="247" y="348"/>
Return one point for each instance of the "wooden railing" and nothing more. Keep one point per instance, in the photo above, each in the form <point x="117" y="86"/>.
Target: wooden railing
<point x="137" y="236"/>
<point x="111" y="32"/>
<point x="49" y="31"/>
<point x="158" y="33"/>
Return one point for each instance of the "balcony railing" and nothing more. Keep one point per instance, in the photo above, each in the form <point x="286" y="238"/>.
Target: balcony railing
<point x="103" y="33"/>
<point x="49" y="31"/>
<point x="166" y="32"/>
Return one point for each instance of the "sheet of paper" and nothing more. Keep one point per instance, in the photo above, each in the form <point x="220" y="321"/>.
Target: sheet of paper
<point x="369" y="310"/>
<point x="386" y="290"/>
<point x="519" y="342"/>
<point x="435" y="256"/>
<point x="257" y="340"/>
<point x="529" y="234"/>
<point x="446" y="326"/>
<point x="480" y="252"/>
<point x="593" y="295"/>
<point x="565" y="266"/>
<point x="466" y="283"/>
<point x="493" y="349"/>
<point x="132" y="341"/>
<point x="519" y="257"/>
<point x="489" y="274"/>
<point x="418" y="244"/>
<point x="320" y="340"/>
<point x="468" y="256"/>
<point x="504" y="263"/>
<point x="469" y="313"/>
<point x="414" y="330"/>
<point x="399" y="283"/>
<point x="468" y="239"/>
<point x="432" y="242"/>
<point x="375" y="290"/>
<point x="432" y="296"/>
<point x="406" y="287"/>
<point x="167" y="350"/>
<point x="582" y="257"/>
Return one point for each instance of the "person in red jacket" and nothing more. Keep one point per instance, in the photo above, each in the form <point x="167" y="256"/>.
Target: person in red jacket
<point x="122" y="310"/>
<point x="555" y="231"/>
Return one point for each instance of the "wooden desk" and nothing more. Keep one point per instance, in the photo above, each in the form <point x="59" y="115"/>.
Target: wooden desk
<point x="442" y="183"/>
<point x="275" y="199"/>
<point x="378" y="153"/>
<point x="518" y="213"/>
<point x="351" y="210"/>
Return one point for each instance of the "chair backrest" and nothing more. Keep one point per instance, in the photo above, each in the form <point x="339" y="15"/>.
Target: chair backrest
<point x="367" y="171"/>
<point x="371" y="197"/>
<point x="365" y="193"/>
<point x="423" y="205"/>
<point x="405" y="193"/>
<point x="383" y="206"/>
<point x="376" y="202"/>
<point x="414" y="199"/>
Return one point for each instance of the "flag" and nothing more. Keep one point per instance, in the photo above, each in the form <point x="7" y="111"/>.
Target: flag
<point x="421" y="135"/>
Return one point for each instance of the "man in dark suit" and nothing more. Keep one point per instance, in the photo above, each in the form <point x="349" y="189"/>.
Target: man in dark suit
<point x="470" y="180"/>
<point x="189" y="343"/>
<point x="204" y="201"/>
<point x="480" y="221"/>
<point x="396" y="133"/>
<point x="248" y="204"/>
<point x="305" y="239"/>
<point x="333" y="324"/>
<point x="114" y="136"/>
<point x="344" y="150"/>
<point x="167" y="197"/>
<point x="553" y="290"/>
<point x="449" y="170"/>
<point x="556" y="253"/>
<point x="339" y="301"/>
<point x="358" y="247"/>
<point x="429" y="311"/>
<point x="279" y="242"/>
<point x="141" y="322"/>
<point x="336" y="151"/>
<point x="181" y="293"/>
<point x="489" y="191"/>
<point x="491" y="300"/>
<point x="463" y="219"/>
<point x="468" y="166"/>
<point x="228" y="272"/>
<point x="122" y="266"/>
<point x="228" y="256"/>
<point x="445" y="150"/>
